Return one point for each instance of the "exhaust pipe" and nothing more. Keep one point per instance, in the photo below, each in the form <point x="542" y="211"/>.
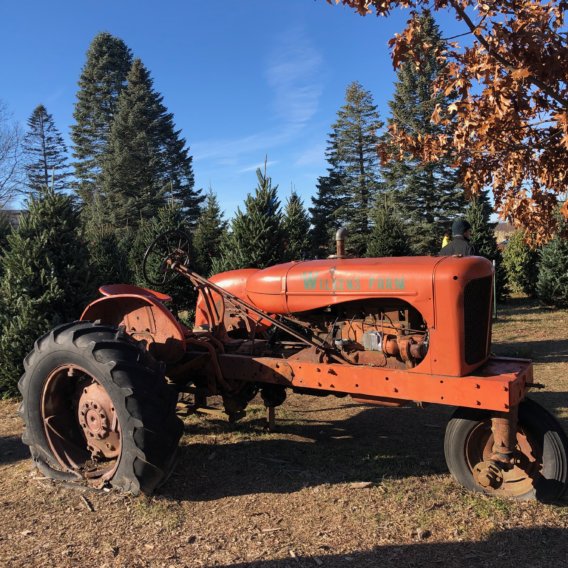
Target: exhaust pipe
<point x="340" y="242"/>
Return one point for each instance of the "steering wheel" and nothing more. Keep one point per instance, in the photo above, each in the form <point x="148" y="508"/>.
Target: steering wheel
<point x="171" y="245"/>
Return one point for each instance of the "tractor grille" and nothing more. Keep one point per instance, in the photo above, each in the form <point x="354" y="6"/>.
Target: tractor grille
<point x="477" y="319"/>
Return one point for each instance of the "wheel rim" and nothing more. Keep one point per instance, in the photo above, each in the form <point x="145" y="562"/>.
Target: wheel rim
<point x="81" y="424"/>
<point x="527" y="466"/>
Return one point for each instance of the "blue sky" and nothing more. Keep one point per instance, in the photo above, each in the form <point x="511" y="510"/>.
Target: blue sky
<point x="245" y="79"/>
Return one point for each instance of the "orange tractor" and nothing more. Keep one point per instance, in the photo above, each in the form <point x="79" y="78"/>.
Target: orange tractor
<point x="100" y="394"/>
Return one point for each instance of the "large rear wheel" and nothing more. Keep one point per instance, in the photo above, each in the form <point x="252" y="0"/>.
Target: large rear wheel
<point x="540" y="465"/>
<point x="97" y="409"/>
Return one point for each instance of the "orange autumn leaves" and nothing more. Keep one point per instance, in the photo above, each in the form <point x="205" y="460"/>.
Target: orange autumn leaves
<point x="510" y="113"/>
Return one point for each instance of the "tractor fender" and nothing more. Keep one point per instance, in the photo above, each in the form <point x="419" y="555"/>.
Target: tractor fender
<point x="145" y="318"/>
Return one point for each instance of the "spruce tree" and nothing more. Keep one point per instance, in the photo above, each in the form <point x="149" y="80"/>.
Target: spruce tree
<point x="102" y="79"/>
<point x="255" y="238"/>
<point x="109" y="251"/>
<point x="178" y="172"/>
<point x="45" y="281"/>
<point x="324" y="214"/>
<point x="209" y="233"/>
<point x="428" y="195"/>
<point x="478" y="214"/>
<point x="170" y="217"/>
<point x="5" y="229"/>
<point x="552" y="283"/>
<point x="146" y="161"/>
<point x="520" y="263"/>
<point x="388" y="236"/>
<point x="296" y="226"/>
<point x="45" y="153"/>
<point x="353" y="152"/>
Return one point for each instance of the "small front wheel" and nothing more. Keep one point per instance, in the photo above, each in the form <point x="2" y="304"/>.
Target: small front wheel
<point x="540" y="468"/>
<point x="97" y="408"/>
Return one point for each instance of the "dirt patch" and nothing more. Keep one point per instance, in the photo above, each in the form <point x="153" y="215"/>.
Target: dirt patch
<point x="338" y="484"/>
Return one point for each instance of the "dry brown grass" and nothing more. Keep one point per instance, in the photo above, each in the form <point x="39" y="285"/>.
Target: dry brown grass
<point x="241" y="496"/>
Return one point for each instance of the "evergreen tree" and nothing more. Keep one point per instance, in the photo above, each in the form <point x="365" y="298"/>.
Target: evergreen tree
<point x="209" y="233"/>
<point x="45" y="280"/>
<point x="5" y="229"/>
<point x="520" y="263"/>
<point x="552" y="283"/>
<point x="255" y="239"/>
<point x="296" y="226"/>
<point x="428" y="195"/>
<point x="108" y="246"/>
<point x="352" y="152"/>
<point x="324" y="214"/>
<point x="146" y="161"/>
<point x="178" y="172"/>
<point x="388" y="235"/>
<point x="44" y="153"/>
<point x="483" y="239"/>
<point x="109" y="251"/>
<point x="171" y="217"/>
<point x="102" y="79"/>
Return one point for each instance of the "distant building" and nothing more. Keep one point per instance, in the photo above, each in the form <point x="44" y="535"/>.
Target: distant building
<point x="503" y="232"/>
<point x="13" y="216"/>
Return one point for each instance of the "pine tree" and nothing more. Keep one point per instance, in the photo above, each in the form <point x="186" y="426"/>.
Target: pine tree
<point x="388" y="236"/>
<point x="324" y="214"/>
<point x="109" y="251"/>
<point x="171" y="217"/>
<point x="296" y="226"/>
<point x="179" y="172"/>
<point x="478" y="214"/>
<point x="45" y="280"/>
<point x="209" y="233"/>
<point x="45" y="153"/>
<point x="255" y="238"/>
<point x="5" y="229"/>
<point x="428" y="196"/>
<point x="520" y="263"/>
<point x="146" y="161"/>
<point x="102" y="79"/>
<point x="552" y="283"/>
<point x="352" y="152"/>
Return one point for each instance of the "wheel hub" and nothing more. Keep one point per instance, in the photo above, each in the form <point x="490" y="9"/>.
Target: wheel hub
<point x="98" y="420"/>
<point x="488" y="474"/>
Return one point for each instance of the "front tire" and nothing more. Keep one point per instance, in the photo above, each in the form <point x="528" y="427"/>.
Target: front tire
<point x="541" y="459"/>
<point x="97" y="409"/>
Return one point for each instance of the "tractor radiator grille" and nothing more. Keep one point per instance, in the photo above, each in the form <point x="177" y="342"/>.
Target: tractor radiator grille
<point x="477" y="319"/>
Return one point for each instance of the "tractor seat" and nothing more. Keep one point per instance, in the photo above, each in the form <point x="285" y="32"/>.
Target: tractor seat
<point x="116" y="289"/>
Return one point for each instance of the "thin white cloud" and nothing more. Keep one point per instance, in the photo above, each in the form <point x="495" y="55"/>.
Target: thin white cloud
<point x="312" y="156"/>
<point x="292" y="72"/>
<point x="232" y="148"/>
<point x="257" y="166"/>
<point x="54" y="96"/>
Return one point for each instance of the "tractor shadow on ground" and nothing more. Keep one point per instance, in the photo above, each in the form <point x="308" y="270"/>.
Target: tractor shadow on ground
<point x="12" y="450"/>
<point x="514" y="548"/>
<point x="545" y="351"/>
<point x="374" y="444"/>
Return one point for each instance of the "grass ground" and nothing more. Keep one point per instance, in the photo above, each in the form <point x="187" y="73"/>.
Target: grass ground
<point x="338" y="484"/>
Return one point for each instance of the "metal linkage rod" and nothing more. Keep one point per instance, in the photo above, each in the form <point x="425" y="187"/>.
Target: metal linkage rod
<point x="244" y="305"/>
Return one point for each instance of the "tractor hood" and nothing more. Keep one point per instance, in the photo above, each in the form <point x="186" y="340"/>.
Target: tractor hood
<point x="301" y="286"/>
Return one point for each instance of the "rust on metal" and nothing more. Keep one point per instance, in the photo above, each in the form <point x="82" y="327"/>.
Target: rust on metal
<point x="98" y="419"/>
<point x="504" y="459"/>
<point x="85" y="438"/>
<point x="489" y="390"/>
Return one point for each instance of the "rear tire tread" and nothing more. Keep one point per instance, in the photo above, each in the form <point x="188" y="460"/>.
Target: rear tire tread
<point x="146" y="404"/>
